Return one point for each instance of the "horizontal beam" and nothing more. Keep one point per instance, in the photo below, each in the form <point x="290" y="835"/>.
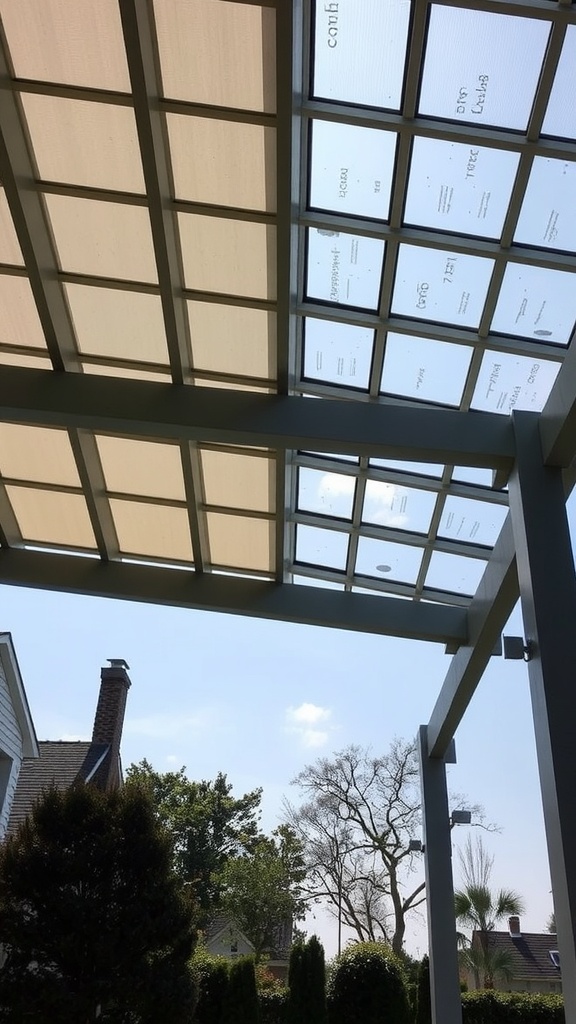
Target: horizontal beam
<point x="186" y="413"/>
<point x="184" y="589"/>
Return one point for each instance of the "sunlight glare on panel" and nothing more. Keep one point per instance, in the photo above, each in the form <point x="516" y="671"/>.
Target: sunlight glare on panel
<point x="337" y="353"/>
<point x="397" y="507"/>
<point x="506" y="382"/>
<point x="425" y="369"/>
<point x="351" y="169"/>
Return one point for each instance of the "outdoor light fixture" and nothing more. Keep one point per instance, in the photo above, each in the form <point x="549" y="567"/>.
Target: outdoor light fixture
<point x="461" y="818"/>
<point x="516" y="649"/>
<point x="416" y="846"/>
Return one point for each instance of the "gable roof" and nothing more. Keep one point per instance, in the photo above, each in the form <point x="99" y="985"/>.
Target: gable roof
<point x="18" y="695"/>
<point x="529" y="952"/>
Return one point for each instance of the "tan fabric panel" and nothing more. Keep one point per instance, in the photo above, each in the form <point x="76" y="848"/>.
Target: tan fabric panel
<point x="217" y="52"/>
<point x="103" y="239"/>
<point x="118" y="324"/>
<point x="227" y="385"/>
<point x="19" y="321"/>
<point x="36" y="362"/>
<point x="10" y="251"/>
<point x="241" y="542"/>
<point x="102" y="370"/>
<point x="38" y="454"/>
<point x="233" y="339"/>
<point x="91" y="144"/>
<point x="52" y="517"/>
<point x="233" y="257"/>
<point x="157" y="531"/>
<point x="239" y="480"/>
<point x="141" y="467"/>
<point x="77" y="42"/>
<point x="224" y="163"/>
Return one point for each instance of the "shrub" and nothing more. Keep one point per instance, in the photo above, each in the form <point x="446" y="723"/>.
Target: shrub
<point x="307" y="984"/>
<point x="423" y="998"/>
<point x="273" y="1006"/>
<point x="368" y="986"/>
<point x="241" y="1000"/>
<point x="211" y="973"/>
<point x="491" y="1007"/>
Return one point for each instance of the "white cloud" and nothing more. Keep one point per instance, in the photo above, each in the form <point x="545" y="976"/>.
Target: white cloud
<point x="308" y="714"/>
<point x="332" y="484"/>
<point x="172" y="759"/>
<point x="303" y="720"/>
<point x="165" y="725"/>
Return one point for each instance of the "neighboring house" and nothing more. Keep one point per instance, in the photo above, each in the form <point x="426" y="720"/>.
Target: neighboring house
<point x="63" y="763"/>
<point x="17" y="736"/>
<point x="224" y="938"/>
<point x="534" y="960"/>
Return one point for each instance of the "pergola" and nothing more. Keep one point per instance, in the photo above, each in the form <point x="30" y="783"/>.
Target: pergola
<point x="287" y="291"/>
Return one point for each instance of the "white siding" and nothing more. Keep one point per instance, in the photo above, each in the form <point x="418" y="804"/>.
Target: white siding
<point x="11" y="747"/>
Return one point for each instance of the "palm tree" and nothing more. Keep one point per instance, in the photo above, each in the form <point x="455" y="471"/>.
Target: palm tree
<point x="479" y="908"/>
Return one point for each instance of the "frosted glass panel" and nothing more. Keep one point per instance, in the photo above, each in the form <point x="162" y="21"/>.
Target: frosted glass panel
<point x="344" y="269"/>
<point x="442" y="286"/>
<point x="398" y="508"/>
<point x="388" y="561"/>
<point x="331" y="494"/>
<point x="352" y="169"/>
<point x="560" y="117"/>
<point x="507" y="382"/>
<point x="536" y="303"/>
<point x="321" y="547"/>
<point x="459" y="188"/>
<point x="429" y="371"/>
<point x="360" y="51"/>
<point x="454" y="573"/>
<point x="548" y="214"/>
<point x="474" y="522"/>
<point x="482" y="68"/>
<point x="337" y="353"/>
<point x="473" y="475"/>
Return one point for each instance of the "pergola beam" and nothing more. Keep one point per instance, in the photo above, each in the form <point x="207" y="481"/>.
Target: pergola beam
<point x="171" y="412"/>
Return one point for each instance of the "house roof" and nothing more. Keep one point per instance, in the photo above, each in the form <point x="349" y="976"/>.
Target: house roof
<point x="60" y="764"/>
<point x="18" y="695"/>
<point x="530" y="954"/>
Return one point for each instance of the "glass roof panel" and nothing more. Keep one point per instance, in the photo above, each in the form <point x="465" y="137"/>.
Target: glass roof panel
<point x="560" y="116"/>
<point x="91" y="144"/>
<point x="457" y="187"/>
<point x="118" y="324"/>
<point x="386" y="560"/>
<point x="548" y="214"/>
<point x="351" y="169"/>
<point x="316" y="581"/>
<point x="427" y="370"/>
<point x="344" y="269"/>
<point x="103" y="239"/>
<point x="473" y="475"/>
<point x="360" y="51"/>
<point x="51" y="517"/>
<point x="75" y="42"/>
<point x="241" y="542"/>
<point x="482" y="68"/>
<point x="418" y="468"/>
<point x="331" y="494"/>
<point x="233" y="257"/>
<point x="155" y="531"/>
<point x="38" y="454"/>
<point x="239" y="480"/>
<point x="337" y="353"/>
<point x="454" y="573"/>
<point x="148" y="468"/>
<point x="507" y="382"/>
<point x="316" y="546"/>
<point x="222" y="54"/>
<point x="473" y="522"/>
<point x="233" y="339"/>
<point x="224" y="163"/>
<point x="10" y="251"/>
<point x="398" y="508"/>
<point x="537" y="303"/>
<point x="442" y="286"/>
<point x="19" y="321"/>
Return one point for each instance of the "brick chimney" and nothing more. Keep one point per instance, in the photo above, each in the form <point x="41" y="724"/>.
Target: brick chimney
<point x="109" y="719"/>
<point x="514" y="927"/>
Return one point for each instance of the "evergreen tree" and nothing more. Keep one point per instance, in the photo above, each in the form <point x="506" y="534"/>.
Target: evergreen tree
<point x="424" y="1000"/>
<point x="94" y="923"/>
<point x="307" y="984"/>
<point x="296" y="987"/>
<point x="241" y="1003"/>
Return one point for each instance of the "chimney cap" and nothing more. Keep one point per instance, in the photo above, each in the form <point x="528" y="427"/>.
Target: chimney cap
<point x="118" y="663"/>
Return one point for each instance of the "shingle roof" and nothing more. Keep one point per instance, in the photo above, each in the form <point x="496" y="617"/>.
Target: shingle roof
<point x="530" y="954"/>
<point x="60" y="764"/>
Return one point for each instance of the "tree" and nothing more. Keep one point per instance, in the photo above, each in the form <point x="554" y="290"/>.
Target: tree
<point x="307" y="984"/>
<point x="356" y="822"/>
<point x="94" y="922"/>
<point x="207" y="825"/>
<point x="261" y="890"/>
<point x="240" y="1004"/>
<point x="480" y="909"/>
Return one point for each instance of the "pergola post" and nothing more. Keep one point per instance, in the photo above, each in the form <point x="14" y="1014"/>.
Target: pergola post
<point x="548" y="597"/>
<point x="444" y="975"/>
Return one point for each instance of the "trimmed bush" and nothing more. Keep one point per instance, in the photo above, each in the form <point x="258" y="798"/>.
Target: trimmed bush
<point x="212" y="976"/>
<point x="273" y="1006"/>
<point x="491" y="1007"/>
<point x="423" y="998"/>
<point x="307" y="984"/>
<point x="241" y="1000"/>
<point x="368" y="986"/>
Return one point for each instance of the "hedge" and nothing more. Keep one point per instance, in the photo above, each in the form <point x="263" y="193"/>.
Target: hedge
<point x="273" y="1007"/>
<point x="368" y="987"/>
<point x="491" y="1007"/>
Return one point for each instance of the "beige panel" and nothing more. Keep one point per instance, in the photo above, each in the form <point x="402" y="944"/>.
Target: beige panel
<point x="224" y="163"/>
<point x="216" y="52"/>
<point x="102" y="370"/>
<point x="52" y="517"/>
<point x="19" y="322"/>
<point x="38" y="454"/>
<point x="78" y="42"/>
<point x="10" y="251"/>
<point x="233" y="257"/>
<point x="91" y="144"/>
<point x="141" y="467"/>
<point x="239" y="480"/>
<point x="241" y="542"/>
<point x="36" y="362"/>
<point x="104" y="239"/>
<point x="116" y="324"/>
<point x="233" y="339"/>
<point x="157" y="531"/>
<point x="227" y="385"/>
